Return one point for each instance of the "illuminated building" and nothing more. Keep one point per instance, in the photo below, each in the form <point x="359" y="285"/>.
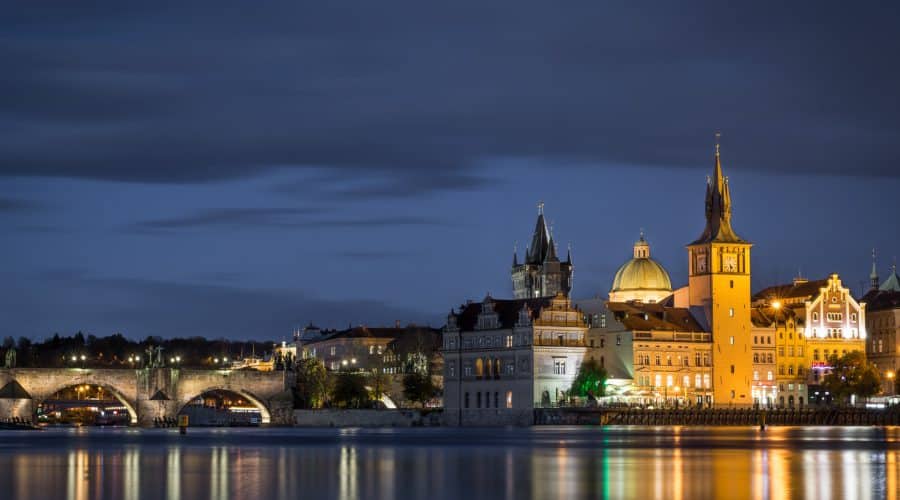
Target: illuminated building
<point x="504" y="357"/>
<point x="825" y="321"/>
<point x="641" y="278"/>
<point x="719" y="292"/>
<point x="671" y="353"/>
<point x="542" y="274"/>
<point x="779" y="365"/>
<point x="390" y="350"/>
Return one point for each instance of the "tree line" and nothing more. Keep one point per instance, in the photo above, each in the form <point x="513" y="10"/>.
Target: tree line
<point x="118" y="351"/>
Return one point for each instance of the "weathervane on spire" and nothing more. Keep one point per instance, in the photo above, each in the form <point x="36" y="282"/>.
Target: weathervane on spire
<point x="642" y="234"/>
<point x="718" y="136"/>
<point x="540" y="206"/>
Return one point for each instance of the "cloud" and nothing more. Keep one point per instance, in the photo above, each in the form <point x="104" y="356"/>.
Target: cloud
<point x="365" y="186"/>
<point x="226" y="217"/>
<point x="17" y="206"/>
<point x="201" y="92"/>
<point x="256" y="218"/>
<point x="139" y="308"/>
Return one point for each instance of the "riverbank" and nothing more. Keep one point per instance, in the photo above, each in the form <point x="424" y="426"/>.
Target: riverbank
<point x="367" y="418"/>
<point x="719" y="416"/>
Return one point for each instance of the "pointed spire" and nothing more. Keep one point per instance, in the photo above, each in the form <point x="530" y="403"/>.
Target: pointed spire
<point x="516" y="254"/>
<point x="541" y="240"/>
<point x="873" y="276"/>
<point x="569" y="253"/>
<point x="892" y="284"/>
<point x="718" y="205"/>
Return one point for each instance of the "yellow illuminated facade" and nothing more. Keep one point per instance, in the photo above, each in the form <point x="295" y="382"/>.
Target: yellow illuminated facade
<point x="719" y="285"/>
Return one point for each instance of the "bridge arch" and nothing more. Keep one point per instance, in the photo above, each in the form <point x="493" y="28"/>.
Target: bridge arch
<point x="132" y="413"/>
<point x="265" y="415"/>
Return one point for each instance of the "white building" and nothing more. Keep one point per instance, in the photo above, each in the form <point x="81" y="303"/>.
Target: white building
<point x="503" y="358"/>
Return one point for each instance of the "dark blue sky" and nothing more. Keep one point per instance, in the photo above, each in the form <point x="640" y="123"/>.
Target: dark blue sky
<point x="237" y="171"/>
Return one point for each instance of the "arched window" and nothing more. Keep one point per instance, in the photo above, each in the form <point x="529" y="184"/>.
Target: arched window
<point x="479" y="368"/>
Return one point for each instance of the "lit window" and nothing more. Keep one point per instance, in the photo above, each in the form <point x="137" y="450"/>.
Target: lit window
<point x="509" y="399"/>
<point x="731" y="311"/>
<point x="559" y="367"/>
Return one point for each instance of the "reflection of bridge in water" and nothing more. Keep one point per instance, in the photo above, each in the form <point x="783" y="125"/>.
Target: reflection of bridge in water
<point x="148" y="393"/>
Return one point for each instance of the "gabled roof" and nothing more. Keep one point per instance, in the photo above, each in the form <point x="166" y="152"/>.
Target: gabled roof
<point x="877" y="300"/>
<point x="507" y="311"/>
<point x="642" y="317"/>
<point x="796" y="290"/>
<point x="767" y="315"/>
<point x="361" y="332"/>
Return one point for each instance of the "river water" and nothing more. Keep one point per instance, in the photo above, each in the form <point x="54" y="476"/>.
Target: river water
<point x="538" y="462"/>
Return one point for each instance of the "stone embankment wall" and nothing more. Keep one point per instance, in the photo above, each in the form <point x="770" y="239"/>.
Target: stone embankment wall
<point x="717" y="416"/>
<point x="366" y="418"/>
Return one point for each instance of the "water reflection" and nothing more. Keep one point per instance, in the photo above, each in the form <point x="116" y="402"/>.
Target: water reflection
<point x="443" y="463"/>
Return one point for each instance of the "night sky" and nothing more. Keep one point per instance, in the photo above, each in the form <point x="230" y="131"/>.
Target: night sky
<point x="240" y="171"/>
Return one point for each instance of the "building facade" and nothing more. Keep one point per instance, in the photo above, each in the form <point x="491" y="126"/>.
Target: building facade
<point x="503" y="358"/>
<point x="542" y="274"/>
<point x="883" y="328"/>
<point x="821" y="319"/>
<point x="390" y="350"/>
<point x="671" y="354"/>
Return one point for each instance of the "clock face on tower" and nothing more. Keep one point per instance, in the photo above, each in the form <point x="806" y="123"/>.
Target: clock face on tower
<point x="701" y="263"/>
<point x="729" y="263"/>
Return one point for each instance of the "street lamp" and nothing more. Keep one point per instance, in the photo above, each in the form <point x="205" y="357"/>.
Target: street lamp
<point x="890" y="376"/>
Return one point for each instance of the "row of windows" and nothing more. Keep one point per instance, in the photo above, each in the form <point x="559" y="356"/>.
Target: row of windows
<point x="596" y="320"/>
<point x="699" y="381"/>
<point x="487" y="400"/>
<point x="791" y="351"/>
<point x="833" y="316"/>
<point x="763" y="357"/>
<point x="790" y="370"/>
<point x="644" y="359"/>
<point x="769" y="375"/>
<point x="826" y="354"/>
<point x="762" y="340"/>
<point x="489" y="341"/>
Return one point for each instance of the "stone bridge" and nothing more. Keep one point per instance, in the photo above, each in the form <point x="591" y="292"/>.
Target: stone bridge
<point x="148" y="393"/>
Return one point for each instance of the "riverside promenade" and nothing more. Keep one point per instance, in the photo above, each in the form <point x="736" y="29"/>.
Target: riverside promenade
<point x="718" y="416"/>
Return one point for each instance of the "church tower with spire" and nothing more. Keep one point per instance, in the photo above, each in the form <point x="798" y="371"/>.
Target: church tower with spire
<point x="719" y="292"/>
<point x="541" y="274"/>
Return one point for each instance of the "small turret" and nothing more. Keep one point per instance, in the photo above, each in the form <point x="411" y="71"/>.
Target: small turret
<point x="873" y="276"/>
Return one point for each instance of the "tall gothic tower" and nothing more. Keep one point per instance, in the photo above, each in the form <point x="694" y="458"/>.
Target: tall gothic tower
<point x="542" y="274"/>
<point x="719" y="284"/>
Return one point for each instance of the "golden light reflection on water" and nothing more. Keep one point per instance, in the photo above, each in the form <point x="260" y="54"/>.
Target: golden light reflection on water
<point x="679" y="465"/>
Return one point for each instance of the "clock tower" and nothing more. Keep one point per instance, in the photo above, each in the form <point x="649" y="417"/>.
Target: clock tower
<point x="719" y="286"/>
